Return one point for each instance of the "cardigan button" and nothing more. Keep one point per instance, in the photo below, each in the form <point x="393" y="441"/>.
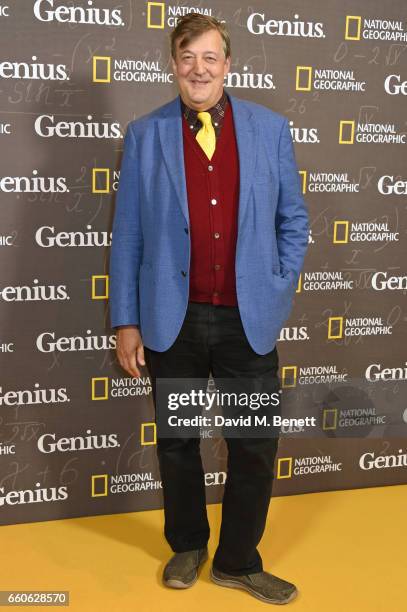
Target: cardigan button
<point x="186" y="230"/>
<point x="183" y="273"/>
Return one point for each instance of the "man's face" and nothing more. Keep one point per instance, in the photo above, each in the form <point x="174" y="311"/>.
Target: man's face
<point x="200" y="68"/>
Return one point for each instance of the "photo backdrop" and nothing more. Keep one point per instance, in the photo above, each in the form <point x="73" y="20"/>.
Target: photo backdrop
<point x="76" y="433"/>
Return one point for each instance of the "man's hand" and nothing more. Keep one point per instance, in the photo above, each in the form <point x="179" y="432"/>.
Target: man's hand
<point x="130" y="349"/>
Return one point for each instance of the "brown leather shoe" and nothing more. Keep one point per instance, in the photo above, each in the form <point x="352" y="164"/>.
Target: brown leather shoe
<point x="262" y="585"/>
<point x="181" y="571"/>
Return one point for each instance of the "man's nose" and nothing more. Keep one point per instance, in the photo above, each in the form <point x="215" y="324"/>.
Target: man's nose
<point x="199" y="67"/>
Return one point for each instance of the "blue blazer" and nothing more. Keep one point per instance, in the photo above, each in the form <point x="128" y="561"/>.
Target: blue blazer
<point x="151" y="245"/>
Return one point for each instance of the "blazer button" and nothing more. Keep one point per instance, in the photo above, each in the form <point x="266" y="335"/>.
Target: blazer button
<point x="183" y="273"/>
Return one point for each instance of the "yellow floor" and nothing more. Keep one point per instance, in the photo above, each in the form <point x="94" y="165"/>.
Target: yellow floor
<point x="345" y="550"/>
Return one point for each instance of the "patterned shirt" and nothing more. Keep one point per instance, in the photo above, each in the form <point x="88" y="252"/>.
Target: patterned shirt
<point x="217" y="112"/>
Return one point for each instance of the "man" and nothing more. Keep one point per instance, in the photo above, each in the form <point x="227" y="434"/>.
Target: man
<point x="209" y="237"/>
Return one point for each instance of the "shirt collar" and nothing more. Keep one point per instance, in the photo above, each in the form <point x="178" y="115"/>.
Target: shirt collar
<point x="217" y="110"/>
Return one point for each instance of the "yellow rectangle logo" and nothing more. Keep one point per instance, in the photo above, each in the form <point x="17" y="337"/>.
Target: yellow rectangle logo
<point x="284" y="467"/>
<point x="101" y="69"/>
<point x="351" y="20"/>
<point x="100" y="180"/>
<point x="148" y="427"/>
<point x="155" y="15"/>
<point x="346" y="132"/>
<point x="289" y="376"/>
<point x="103" y="388"/>
<point x="331" y="422"/>
<point x="303" y="175"/>
<point x="101" y="282"/>
<point x="344" y="225"/>
<point x="301" y="73"/>
<point x="299" y="285"/>
<point x="333" y="322"/>
<point x="102" y="478"/>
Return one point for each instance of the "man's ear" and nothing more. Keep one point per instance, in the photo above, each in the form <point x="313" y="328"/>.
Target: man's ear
<point x="174" y="65"/>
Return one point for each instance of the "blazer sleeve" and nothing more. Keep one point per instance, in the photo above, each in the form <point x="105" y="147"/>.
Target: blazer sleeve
<point x="292" y="224"/>
<point x="127" y="241"/>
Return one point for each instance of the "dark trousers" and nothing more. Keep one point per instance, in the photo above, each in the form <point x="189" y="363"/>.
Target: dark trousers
<point x="212" y="339"/>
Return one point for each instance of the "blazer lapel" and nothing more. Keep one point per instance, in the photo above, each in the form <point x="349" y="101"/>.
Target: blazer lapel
<point x="172" y="144"/>
<point x="246" y="135"/>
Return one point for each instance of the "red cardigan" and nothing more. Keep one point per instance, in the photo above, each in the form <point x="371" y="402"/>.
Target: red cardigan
<point x="213" y="200"/>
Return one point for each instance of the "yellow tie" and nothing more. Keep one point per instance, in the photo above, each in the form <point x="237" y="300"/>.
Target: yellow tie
<point x="206" y="135"/>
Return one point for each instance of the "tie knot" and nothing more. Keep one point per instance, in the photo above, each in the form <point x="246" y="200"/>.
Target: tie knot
<point x="205" y="118"/>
